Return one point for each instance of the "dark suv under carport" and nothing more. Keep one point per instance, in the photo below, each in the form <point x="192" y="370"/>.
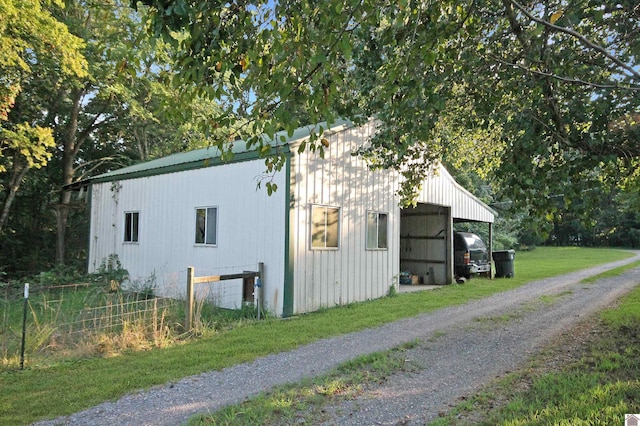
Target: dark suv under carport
<point x="470" y="255"/>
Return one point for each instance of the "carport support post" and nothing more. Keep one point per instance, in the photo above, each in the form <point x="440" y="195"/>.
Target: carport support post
<point x="491" y="274"/>
<point x="189" y="302"/>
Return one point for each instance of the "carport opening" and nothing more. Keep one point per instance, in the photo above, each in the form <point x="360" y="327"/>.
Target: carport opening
<point x="425" y="245"/>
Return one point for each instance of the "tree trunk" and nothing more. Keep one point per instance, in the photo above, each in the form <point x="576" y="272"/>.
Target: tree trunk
<point x="18" y="173"/>
<point x="61" y="210"/>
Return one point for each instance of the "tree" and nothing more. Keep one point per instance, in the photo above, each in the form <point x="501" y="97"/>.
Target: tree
<point x="116" y="108"/>
<point x="550" y="80"/>
<point x="27" y="147"/>
<point x="31" y="41"/>
<point x="108" y="116"/>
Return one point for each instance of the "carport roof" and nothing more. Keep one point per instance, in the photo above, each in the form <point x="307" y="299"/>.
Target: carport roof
<point x="440" y="188"/>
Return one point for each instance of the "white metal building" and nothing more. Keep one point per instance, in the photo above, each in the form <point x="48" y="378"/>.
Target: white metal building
<point x="333" y="233"/>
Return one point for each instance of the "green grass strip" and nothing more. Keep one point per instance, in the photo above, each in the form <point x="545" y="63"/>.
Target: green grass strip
<point x="612" y="272"/>
<point x="303" y="402"/>
<point x="626" y="316"/>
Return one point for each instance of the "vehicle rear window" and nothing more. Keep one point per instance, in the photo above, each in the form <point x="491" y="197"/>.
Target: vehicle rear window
<point x="474" y="243"/>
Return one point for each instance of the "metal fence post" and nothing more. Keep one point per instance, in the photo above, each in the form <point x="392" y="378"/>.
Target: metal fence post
<point x="24" y="325"/>
<point x="189" y="301"/>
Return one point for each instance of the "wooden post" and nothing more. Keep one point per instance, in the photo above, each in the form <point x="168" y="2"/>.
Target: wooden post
<point x="189" y="302"/>
<point x="259" y="289"/>
<point x="154" y="317"/>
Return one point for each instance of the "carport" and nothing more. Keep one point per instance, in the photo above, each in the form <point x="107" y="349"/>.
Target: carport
<point x="426" y="230"/>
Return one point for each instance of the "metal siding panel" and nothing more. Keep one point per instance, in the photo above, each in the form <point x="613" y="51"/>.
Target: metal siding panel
<point x="441" y="189"/>
<point x="370" y="191"/>
<point x="351" y="273"/>
<point x="101" y="233"/>
<point x="250" y="225"/>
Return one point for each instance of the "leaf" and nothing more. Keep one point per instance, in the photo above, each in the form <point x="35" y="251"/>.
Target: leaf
<point x="319" y="58"/>
<point x="557" y="15"/>
<point x="264" y="150"/>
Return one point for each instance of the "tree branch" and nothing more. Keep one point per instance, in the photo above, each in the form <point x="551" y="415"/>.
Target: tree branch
<point x="515" y="25"/>
<point x="579" y="36"/>
<point x="96" y="163"/>
<point x="272" y="107"/>
<point x="566" y="79"/>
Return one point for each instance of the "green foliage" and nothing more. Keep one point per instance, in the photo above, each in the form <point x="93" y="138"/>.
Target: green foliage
<point x="90" y="82"/>
<point x="33" y="43"/>
<point x="30" y="38"/>
<point x="111" y="274"/>
<point x="60" y="275"/>
<point x="145" y="288"/>
<point x="543" y="112"/>
<point x="604" y="217"/>
<point x="393" y="291"/>
<point x="29" y="145"/>
<point x="541" y="99"/>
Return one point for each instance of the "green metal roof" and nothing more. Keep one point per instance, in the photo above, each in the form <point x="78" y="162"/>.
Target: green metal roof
<point x="210" y="156"/>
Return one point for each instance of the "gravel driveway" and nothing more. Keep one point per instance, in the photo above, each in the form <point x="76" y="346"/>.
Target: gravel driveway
<point x="461" y="348"/>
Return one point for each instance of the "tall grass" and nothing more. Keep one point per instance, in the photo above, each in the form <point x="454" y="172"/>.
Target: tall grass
<point x="77" y="322"/>
<point x="73" y="322"/>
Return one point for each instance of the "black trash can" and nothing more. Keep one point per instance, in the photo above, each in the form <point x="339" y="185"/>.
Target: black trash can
<point x="504" y="260"/>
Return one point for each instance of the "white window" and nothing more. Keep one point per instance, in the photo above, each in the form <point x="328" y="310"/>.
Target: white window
<point x="207" y="225"/>
<point x="377" y="224"/>
<point x="325" y="227"/>
<point x="131" y="225"/>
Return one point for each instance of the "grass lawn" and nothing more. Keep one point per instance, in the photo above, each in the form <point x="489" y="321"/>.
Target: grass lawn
<point x="66" y="387"/>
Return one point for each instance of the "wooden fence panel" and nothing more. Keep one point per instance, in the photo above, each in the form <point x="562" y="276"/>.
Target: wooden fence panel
<point x="193" y="280"/>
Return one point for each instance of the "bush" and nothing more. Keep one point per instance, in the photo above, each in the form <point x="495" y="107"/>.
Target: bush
<point x="59" y="275"/>
<point x="111" y="273"/>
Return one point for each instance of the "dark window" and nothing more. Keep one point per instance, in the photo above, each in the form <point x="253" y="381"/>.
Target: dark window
<point x="131" y="225"/>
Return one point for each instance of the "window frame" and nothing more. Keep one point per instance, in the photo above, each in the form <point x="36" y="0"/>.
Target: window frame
<point x="326" y="232"/>
<point x="130" y="226"/>
<point x="377" y="234"/>
<point x="207" y="222"/>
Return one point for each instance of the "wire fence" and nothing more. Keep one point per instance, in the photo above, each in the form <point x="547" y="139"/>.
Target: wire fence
<point x="115" y="315"/>
<point x="99" y="317"/>
<point x="84" y="318"/>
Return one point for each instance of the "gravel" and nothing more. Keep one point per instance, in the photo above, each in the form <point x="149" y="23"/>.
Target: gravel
<point x="460" y="349"/>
